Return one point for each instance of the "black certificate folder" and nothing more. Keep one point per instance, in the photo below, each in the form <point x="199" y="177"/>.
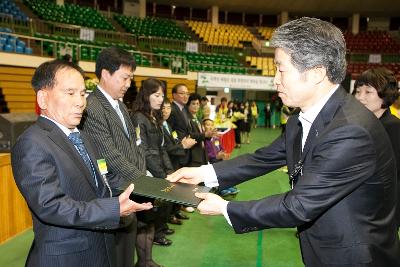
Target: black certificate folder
<point x="172" y="192"/>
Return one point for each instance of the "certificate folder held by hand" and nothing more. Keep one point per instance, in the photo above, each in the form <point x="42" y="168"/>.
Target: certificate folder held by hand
<point x="172" y="192"/>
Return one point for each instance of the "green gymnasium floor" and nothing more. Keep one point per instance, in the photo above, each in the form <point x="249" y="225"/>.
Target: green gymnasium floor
<point x="206" y="241"/>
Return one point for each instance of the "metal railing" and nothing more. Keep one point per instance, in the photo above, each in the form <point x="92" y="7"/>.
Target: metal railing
<point x="178" y="64"/>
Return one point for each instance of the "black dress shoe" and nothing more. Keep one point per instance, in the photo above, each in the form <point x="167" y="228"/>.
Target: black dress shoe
<point x="162" y="241"/>
<point x="174" y="220"/>
<point x="169" y="231"/>
<point x="181" y="216"/>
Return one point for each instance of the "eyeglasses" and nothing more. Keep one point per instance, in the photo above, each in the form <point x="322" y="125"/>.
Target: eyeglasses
<point x="183" y="94"/>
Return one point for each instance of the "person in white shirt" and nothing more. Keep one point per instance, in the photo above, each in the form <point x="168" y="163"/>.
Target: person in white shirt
<point x="341" y="167"/>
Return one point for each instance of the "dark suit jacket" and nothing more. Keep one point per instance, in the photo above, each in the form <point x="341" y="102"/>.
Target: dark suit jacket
<point x="180" y="124"/>
<point x="71" y="216"/>
<point x="103" y="124"/>
<point x="392" y="127"/>
<point x="198" y="155"/>
<point x="173" y="147"/>
<point x="344" y="202"/>
<point x="123" y="156"/>
<point x="151" y="135"/>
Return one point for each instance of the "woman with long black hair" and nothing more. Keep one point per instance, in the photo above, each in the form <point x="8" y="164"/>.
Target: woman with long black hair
<point x="147" y="118"/>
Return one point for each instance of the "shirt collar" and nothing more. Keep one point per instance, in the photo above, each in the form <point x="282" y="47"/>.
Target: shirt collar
<point x="114" y="103"/>
<point x="62" y="127"/>
<point x="181" y="107"/>
<point x="309" y="116"/>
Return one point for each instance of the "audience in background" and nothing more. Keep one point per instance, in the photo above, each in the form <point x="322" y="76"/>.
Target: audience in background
<point x="248" y="122"/>
<point x="204" y="110"/>
<point x="146" y="116"/>
<point x="267" y="115"/>
<point x="377" y="89"/>
<point x="216" y="153"/>
<point x="395" y="107"/>
<point x="254" y="114"/>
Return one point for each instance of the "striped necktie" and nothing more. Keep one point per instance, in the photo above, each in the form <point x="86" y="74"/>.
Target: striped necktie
<point x="80" y="146"/>
<point x="118" y="110"/>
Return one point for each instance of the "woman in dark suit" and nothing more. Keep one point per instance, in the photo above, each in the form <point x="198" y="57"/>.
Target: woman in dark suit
<point x="147" y="118"/>
<point x="377" y="89"/>
<point x="198" y="155"/>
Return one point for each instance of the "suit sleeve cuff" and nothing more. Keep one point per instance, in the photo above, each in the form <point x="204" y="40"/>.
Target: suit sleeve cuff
<point x="210" y="179"/>
<point x="225" y="213"/>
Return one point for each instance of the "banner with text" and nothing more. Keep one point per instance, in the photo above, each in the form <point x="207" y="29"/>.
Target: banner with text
<point x="235" y="81"/>
<point x="192" y="47"/>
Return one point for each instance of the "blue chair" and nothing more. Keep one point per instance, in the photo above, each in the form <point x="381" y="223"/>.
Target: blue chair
<point x="28" y="50"/>
<point x="8" y="48"/>
<point x="1" y="47"/>
<point x="19" y="49"/>
<point x="21" y="43"/>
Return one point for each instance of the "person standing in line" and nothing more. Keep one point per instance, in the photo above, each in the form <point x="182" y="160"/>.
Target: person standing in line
<point x="204" y="110"/>
<point x="106" y="120"/>
<point x="176" y="149"/>
<point x="198" y="155"/>
<point x="395" y="107"/>
<point x="254" y="114"/>
<point x="342" y="169"/>
<point x="71" y="193"/>
<point x="377" y="89"/>
<point x="267" y="114"/>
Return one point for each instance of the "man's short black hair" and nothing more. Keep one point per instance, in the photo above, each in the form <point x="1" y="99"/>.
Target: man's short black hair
<point x="44" y="76"/>
<point x="193" y="97"/>
<point x="112" y="58"/>
<point x="176" y="87"/>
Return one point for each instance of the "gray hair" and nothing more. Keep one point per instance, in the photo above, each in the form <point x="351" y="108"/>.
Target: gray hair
<point x="311" y="42"/>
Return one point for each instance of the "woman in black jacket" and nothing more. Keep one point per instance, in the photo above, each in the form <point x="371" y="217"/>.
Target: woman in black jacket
<point x="147" y="119"/>
<point x="377" y="89"/>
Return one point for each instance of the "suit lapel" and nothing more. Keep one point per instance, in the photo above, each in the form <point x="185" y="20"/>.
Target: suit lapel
<point x="62" y="141"/>
<point x="128" y="120"/>
<point x="324" y="117"/>
<point x="182" y="117"/>
<point x="292" y="130"/>
<point x="93" y="158"/>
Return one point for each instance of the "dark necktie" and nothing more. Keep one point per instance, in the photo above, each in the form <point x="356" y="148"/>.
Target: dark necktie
<point x="297" y="153"/>
<point x="80" y="146"/>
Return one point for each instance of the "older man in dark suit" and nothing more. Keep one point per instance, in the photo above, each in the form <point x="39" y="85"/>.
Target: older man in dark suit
<point x="64" y="180"/>
<point x="342" y="169"/>
<point x="107" y="121"/>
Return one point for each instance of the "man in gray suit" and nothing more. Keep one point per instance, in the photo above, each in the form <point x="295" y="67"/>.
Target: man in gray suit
<point x="56" y="168"/>
<point x="341" y="164"/>
<point x="107" y="121"/>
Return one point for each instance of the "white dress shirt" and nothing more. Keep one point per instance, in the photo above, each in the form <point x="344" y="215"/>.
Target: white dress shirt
<point x="62" y="127"/>
<point x="307" y="118"/>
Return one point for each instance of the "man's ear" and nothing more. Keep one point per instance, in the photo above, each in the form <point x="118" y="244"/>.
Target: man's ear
<point x="317" y="75"/>
<point x="41" y="97"/>
<point x="105" y="74"/>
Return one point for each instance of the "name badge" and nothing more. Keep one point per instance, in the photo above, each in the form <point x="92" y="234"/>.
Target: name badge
<point x="174" y="135"/>
<point x="138" y="139"/>
<point x="216" y="143"/>
<point x="101" y="163"/>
